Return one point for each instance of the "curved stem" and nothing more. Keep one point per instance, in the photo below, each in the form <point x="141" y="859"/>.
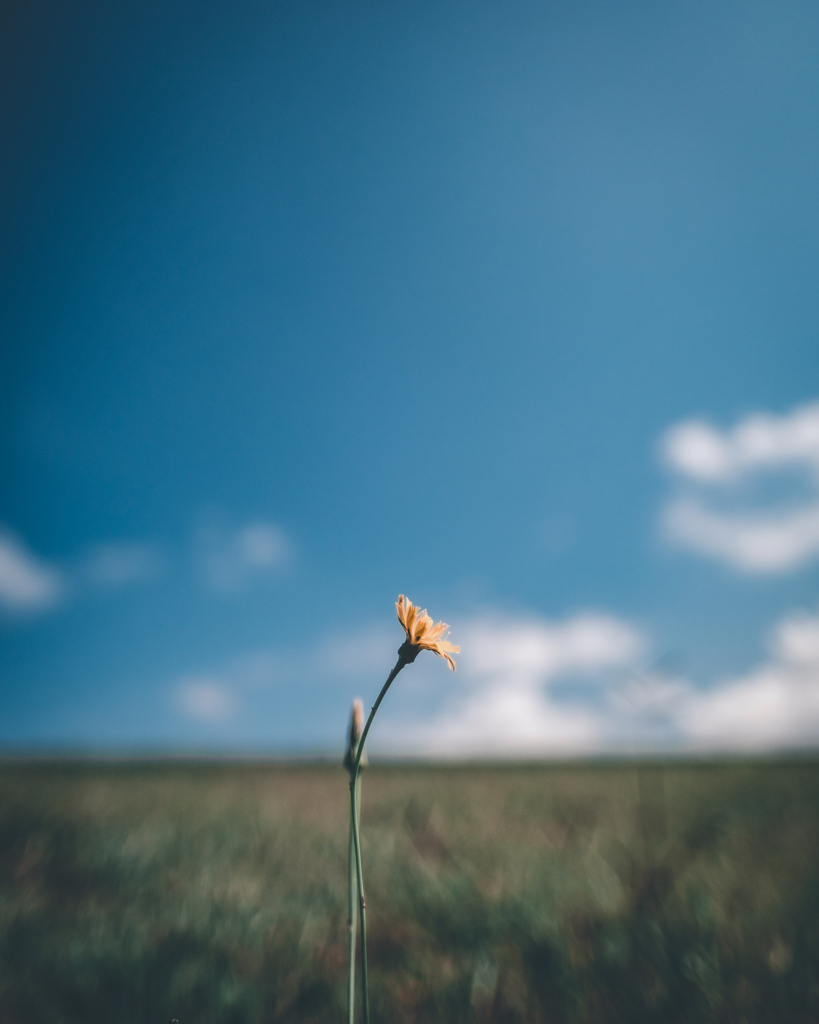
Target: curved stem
<point x="365" y="988"/>
<point x="402" y="661"/>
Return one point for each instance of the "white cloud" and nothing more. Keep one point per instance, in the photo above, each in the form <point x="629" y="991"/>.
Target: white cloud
<point x="215" y="696"/>
<point x="367" y="651"/>
<point x="27" y="583"/>
<point x="229" y="559"/>
<point x="697" y="450"/>
<point x="205" y="698"/>
<point x="773" y="707"/>
<point x="120" y="563"/>
<point x="502" y="701"/>
<point x="754" y="543"/>
<point x="30" y="584"/>
<point x="748" y="539"/>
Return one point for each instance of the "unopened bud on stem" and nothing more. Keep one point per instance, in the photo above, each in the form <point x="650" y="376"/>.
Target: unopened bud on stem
<point x="354" y="736"/>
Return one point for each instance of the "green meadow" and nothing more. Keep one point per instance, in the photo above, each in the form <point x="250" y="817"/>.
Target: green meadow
<point x="582" y="893"/>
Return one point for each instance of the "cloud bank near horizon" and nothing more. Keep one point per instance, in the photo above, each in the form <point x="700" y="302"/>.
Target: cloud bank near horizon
<point x="775" y="706"/>
<point x="529" y="687"/>
<point x="519" y="696"/>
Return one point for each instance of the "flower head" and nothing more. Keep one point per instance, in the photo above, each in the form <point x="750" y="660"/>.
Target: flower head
<point x="422" y="635"/>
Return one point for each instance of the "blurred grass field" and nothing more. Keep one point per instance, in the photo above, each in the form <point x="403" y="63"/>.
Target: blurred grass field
<point x="216" y="892"/>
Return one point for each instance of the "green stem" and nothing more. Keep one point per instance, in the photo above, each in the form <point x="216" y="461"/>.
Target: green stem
<point x="352" y="916"/>
<point x="354" y="789"/>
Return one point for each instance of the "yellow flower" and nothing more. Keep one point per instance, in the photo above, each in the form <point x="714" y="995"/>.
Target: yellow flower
<point x="421" y="634"/>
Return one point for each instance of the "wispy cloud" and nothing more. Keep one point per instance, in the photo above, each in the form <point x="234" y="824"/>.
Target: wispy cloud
<point x="27" y="583"/>
<point x="205" y="699"/>
<point x="217" y="695"/>
<point x="120" y="563"/>
<point x="369" y="651"/>
<point x="753" y="543"/>
<point x="30" y="584"/>
<point x="229" y="559"/>
<point x="711" y="464"/>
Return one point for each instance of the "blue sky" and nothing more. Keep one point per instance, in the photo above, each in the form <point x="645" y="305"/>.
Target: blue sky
<point x="508" y="307"/>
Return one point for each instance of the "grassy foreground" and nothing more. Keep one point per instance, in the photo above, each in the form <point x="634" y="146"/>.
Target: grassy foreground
<point x="217" y="893"/>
